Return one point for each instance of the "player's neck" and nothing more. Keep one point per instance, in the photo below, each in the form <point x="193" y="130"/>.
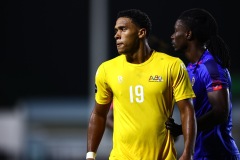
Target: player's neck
<point x="140" y="57"/>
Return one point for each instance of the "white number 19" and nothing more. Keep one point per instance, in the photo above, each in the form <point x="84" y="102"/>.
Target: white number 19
<point x="137" y="93"/>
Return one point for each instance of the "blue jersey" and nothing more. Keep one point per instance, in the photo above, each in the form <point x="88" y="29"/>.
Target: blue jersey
<point x="207" y="76"/>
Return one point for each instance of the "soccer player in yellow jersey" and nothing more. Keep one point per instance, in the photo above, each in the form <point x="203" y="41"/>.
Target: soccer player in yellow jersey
<point x="143" y="86"/>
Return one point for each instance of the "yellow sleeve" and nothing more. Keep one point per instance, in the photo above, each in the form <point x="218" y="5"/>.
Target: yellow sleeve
<point x="182" y="87"/>
<point x="103" y="93"/>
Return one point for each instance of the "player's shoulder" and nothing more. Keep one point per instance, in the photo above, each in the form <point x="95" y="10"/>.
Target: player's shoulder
<point x="115" y="60"/>
<point x="111" y="63"/>
<point x="166" y="57"/>
<point x="209" y="64"/>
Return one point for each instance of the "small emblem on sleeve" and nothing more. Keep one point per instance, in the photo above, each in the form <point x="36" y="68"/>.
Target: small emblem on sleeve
<point x="95" y="88"/>
<point x="217" y="87"/>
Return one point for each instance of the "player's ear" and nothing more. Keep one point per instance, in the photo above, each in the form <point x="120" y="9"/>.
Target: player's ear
<point x="142" y="33"/>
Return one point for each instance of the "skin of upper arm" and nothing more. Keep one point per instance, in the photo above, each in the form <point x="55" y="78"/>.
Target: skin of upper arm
<point x="187" y="113"/>
<point x="220" y="101"/>
<point x="189" y="125"/>
<point x="185" y="106"/>
<point x="101" y="109"/>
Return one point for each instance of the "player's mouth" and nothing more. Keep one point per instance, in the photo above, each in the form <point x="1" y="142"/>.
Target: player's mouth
<point x="119" y="45"/>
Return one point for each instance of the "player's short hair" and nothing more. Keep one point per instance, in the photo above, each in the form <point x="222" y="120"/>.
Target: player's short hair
<point x="138" y="17"/>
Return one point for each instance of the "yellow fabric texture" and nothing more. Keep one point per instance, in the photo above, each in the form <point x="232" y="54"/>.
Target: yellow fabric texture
<point x="143" y="98"/>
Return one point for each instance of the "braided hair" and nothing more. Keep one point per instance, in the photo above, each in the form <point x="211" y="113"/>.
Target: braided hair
<point x="205" y="29"/>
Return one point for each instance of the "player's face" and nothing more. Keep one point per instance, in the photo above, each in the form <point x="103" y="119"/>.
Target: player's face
<point x="180" y="36"/>
<point x="126" y="35"/>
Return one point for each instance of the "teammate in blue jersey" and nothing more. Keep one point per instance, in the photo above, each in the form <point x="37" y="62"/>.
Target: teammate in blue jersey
<point x="196" y="35"/>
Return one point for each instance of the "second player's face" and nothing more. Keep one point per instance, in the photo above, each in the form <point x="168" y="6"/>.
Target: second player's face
<point x="126" y="35"/>
<point x="180" y="36"/>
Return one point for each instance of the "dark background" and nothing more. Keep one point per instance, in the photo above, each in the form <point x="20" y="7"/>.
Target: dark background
<point x="45" y="43"/>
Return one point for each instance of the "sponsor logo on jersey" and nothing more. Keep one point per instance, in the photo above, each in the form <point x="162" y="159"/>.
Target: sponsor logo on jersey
<point x="155" y="78"/>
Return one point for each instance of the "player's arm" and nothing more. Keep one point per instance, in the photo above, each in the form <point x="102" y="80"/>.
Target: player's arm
<point x="96" y="127"/>
<point x="220" y="110"/>
<point x="218" y="114"/>
<point x="182" y="81"/>
<point x="189" y="127"/>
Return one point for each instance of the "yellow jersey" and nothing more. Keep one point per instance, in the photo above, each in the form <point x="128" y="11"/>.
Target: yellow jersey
<point x="143" y="98"/>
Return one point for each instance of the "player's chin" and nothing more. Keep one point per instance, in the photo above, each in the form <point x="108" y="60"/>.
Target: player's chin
<point x="174" y="46"/>
<point x="120" y="51"/>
